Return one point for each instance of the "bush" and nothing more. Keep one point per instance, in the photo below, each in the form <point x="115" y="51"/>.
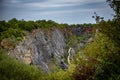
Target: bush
<point x="85" y="67"/>
<point x="61" y="74"/>
<point x="12" y="69"/>
<point x="106" y="50"/>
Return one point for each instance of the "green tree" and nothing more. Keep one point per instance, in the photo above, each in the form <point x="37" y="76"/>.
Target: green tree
<point x="105" y="50"/>
<point x="3" y="26"/>
<point x="13" y="23"/>
<point x="115" y="5"/>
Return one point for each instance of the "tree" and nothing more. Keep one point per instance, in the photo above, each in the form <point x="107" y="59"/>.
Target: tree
<point x="106" y="46"/>
<point x="105" y="49"/>
<point x="115" y="5"/>
<point x="13" y="23"/>
<point x="2" y="26"/>
<point x="97" y="18"/>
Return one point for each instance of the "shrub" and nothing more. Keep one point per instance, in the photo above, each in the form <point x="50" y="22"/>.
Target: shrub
<point x="12" y="69"/>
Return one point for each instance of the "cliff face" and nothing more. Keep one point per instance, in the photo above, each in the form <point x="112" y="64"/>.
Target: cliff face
<point x="79" y="31"/>
<point x="44" y="48"/>
<point x="47" y="48"/>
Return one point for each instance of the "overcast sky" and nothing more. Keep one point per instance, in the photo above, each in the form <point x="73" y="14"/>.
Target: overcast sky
<point x="62" y="11"/>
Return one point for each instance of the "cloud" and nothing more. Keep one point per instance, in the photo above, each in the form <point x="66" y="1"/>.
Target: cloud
<point x="15" y="1"/>
<point x="48" y="5"/>
<point x="53" y="9"/>
<point x="60" y="3"/>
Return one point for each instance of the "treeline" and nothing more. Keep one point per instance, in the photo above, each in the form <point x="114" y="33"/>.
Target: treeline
<point x="13" y="31"/>
<point x="17" y="28"/>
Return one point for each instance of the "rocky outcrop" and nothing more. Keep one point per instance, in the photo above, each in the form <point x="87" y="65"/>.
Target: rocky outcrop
<point x="47" y="48"/>
<point x="80" y="31"/>
<point x="43" y="48"/>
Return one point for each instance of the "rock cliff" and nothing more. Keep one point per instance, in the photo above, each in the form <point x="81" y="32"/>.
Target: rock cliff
<point x="44" y="48"/>
<point x="47" y="48"/>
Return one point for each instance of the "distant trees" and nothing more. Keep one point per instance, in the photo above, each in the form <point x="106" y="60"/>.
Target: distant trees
<point x="3" y="26"/>
<point x="17" y="28"/>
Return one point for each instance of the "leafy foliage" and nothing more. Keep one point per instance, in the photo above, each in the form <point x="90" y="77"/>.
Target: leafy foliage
<point x="12" y="69"/>
<point x="100" y="60"/>
<point x="61" y="74"/>
<point x="104" y="51"/>
<point x="109" y="55"/>
<point x="115" y="5"/>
